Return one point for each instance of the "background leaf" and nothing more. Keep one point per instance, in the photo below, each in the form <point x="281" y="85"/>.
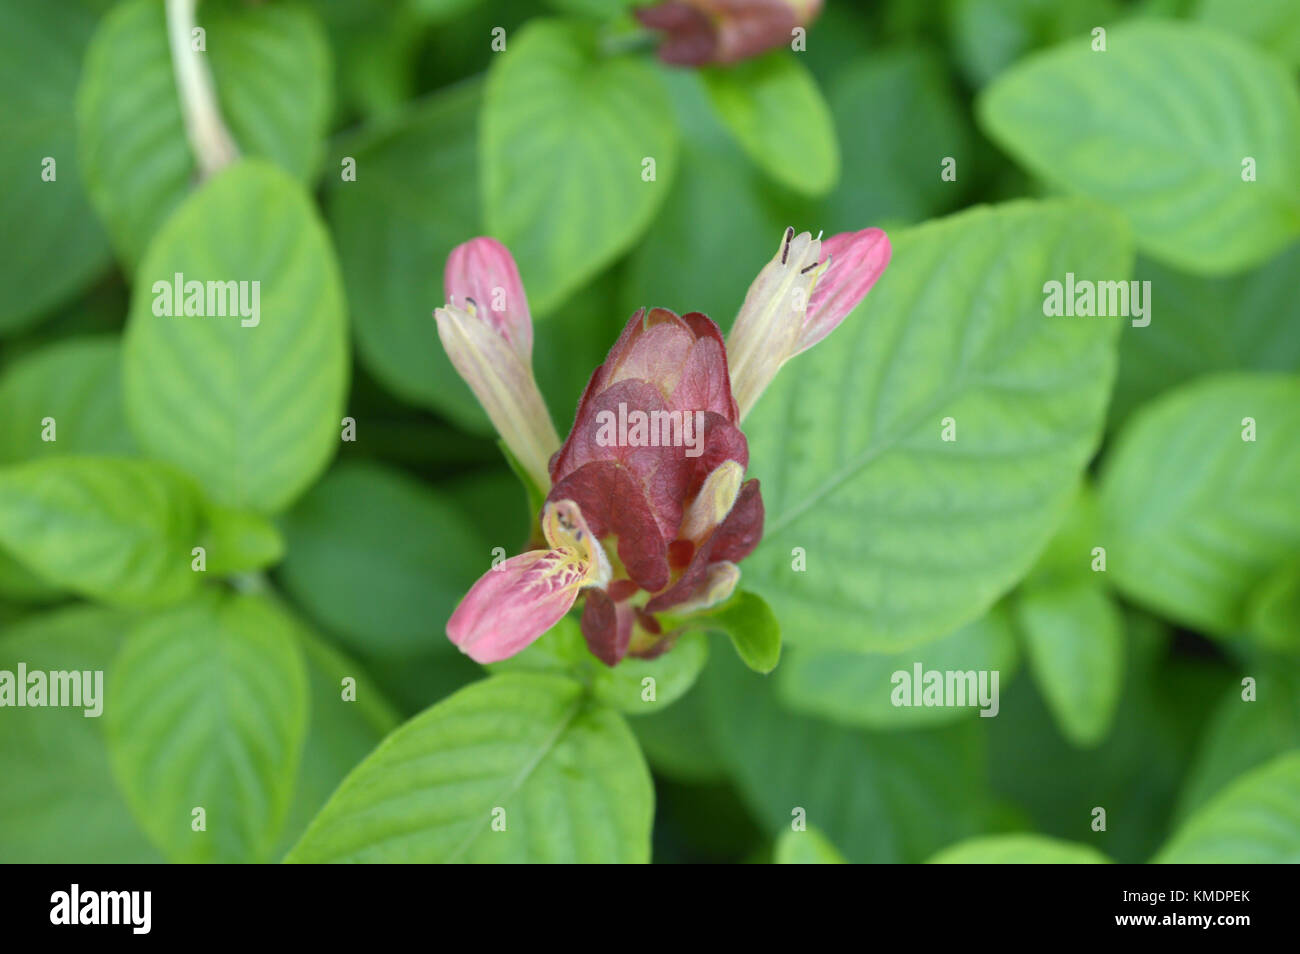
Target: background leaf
<point x="1195" y="516"/>
<point x="1158" y="125"/>
<point x="809" y="847"/>
<point x="564" y="134"/>
<point x="270" y="66"/>
<point x="1018" y="850"/>
<point x="775" y="110"/>
<point x="210" y="708"/>
<point x="254" y="412"/>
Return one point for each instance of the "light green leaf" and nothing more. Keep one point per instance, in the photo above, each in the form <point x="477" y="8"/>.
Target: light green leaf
<point x="880" y="534"/>
<point x="750" y="625"/>
<point x="209" y="708"/>
<point x="1196" y="516"/>
<point x="776" y="112"/>
<point x="879" y="796"/>
<point x="1018" y="849"/>
<point x="1160" y="124"/>
<point x="808" y="847"/>
<point x="563" y="651"/>
<point x="414" y="199"/>
<point x="1245" y="322"/>
<point x="1272" y="25"/>
<point x="856" y="689"/>
<point x="117" y="530"/>
<point x="59" y="803"/>
<point x="564" y="137"/>
<point x="1273" y="613"/>
<point x="56" y="248"/>
<point x="78" y="383"/>
<point x="239" y="541"/>
<point x="251" y="406"/>
<point x="382" y="560"/>
<point x="270" y="66"/>
<point x="558" y="774"/>
<point x="1074" y="636"/>
<point x="1256" y="820"/>
<point x="989" y="35"/>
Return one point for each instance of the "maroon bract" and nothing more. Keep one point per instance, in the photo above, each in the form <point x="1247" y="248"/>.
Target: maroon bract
<point x="699" y="32"/>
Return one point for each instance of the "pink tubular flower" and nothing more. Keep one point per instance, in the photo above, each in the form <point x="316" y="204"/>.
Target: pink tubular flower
<point x="487" y="332"/>
<point x="648" y="511"/>
<point x="725" y="31"/>
<point x="799" y="298"/>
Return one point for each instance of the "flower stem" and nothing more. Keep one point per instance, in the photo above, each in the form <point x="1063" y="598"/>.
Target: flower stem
<point x="210" y="140"/>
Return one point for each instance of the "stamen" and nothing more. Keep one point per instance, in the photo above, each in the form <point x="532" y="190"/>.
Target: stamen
<point x="785" y="247"/>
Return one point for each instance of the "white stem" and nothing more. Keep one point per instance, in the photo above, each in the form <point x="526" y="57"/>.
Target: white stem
<point x="209" y="138"/>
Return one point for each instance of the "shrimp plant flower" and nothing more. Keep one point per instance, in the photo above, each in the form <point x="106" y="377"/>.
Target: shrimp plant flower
<point x="646" y="511"/>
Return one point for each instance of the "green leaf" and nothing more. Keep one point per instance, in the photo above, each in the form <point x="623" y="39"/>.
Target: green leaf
<point x="856" y="689"/>
<point x="414" y="199"/>
<point x="57" y="248"/>
<point x="1074" y="637"/>
<point x="239" y="541"/>
<point x="381" y="560"/>
<point x="880" y="534"/>
<point x="270" y="66"/>
<point x="78" y="383"/>
<point x="1256" y="820"/>
<point x="776" y="112"/>
<point x="1160" y="124"/>
<point x="1244" y="733"/>
<point x="210" y="707"/>
<point x="898" y="118"/>
<point x="675" y="743"/>
<point x="750" y="625"/>
<point x="253" y="410"/>
<point x="59" y="803"/>
<point x="1272" y="25"/>
<point x="559" y="775"/>
<point x="808" y="847"/>
<point x="120" y="531"/>
<point x="1196" y="516"/>
<point x="718" y="200"/>
<point x="340" y="732"/>
<point x="1018" y="849"/>
<point x="563" y="651"/>
<point x="879" y="796"/>
<point x="1273" y="611"/>
<point x="1243" y="323"/>
<point x="564" y="136"/>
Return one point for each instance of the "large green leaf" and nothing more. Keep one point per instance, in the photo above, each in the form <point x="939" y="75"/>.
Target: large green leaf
<point x="1245" y="322"/>
<point x="1018" y="850"/>
<point x="776" y="112"/>
<point x="879" y="796"/>
<point x="59" y="803"/>
<point x="253" y="410"/>
<point x="1271" y="24"/>
<point x="209" y="707"/>
<point x="56" y="247"/>
<point x="1159" y="125"/>
<point x="381" y="560"/>
<point x="856" y="689"/>
<point x="1256" y="820"/>
<point x="1273" y="613"/>
<point x="118" y="530"/>
<point x="78" y="383"/>
<point x="636" y="687"/>
<point x="270" y="66"/>
<point x="906" y="536"/>
<point x="676" y="745"/>
<point x="566" y="129"/>
<point x="558" y="774"/>
<point x="1196" y="516"/>
<point x="1075" y="639"/>
<point x="413" y="200"/>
